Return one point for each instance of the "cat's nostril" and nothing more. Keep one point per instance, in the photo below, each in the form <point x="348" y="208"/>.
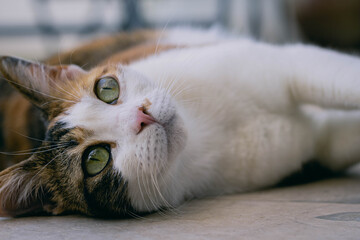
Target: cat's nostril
<point x="142" y="119"/>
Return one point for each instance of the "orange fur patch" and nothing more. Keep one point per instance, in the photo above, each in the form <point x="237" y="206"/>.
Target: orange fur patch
<point x="137" y="52"/>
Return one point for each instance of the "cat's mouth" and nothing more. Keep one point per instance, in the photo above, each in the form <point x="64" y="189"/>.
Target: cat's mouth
<point x="153" y="124"/>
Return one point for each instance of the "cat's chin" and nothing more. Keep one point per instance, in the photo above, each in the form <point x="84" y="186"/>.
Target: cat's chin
<point x="176" y="136"/>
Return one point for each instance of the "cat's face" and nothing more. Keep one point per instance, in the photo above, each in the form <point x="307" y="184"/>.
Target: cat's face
<point x="112" y="140"/>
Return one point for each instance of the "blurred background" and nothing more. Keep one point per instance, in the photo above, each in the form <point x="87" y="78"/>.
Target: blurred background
<point x="38" y="28"/>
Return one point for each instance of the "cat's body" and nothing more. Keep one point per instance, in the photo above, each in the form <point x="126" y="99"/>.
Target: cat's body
<point x="221" y="116"/>
<point x="247" y="124"/>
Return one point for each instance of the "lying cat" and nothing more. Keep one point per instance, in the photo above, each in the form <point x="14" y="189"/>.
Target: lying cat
<point x="187" y="114"/>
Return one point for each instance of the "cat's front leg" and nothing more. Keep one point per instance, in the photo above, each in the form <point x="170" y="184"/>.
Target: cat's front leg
<point x="331" y="81"/>
<point x="322" y="77"/>
<point x="337" y="136"/>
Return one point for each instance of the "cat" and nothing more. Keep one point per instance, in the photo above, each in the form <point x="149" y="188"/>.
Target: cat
<point x="173" y="115"/>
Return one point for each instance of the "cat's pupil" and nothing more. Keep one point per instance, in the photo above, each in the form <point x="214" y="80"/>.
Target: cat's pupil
<point x="107" y="90"/>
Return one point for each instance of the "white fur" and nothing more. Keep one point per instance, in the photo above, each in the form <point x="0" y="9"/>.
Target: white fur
<point x="231" y="118"/>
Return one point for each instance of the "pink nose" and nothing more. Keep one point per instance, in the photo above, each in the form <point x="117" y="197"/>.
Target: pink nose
<point x="142" y="119"/>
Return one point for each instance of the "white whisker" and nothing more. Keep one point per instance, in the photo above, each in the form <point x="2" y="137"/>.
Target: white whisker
<point x="140" y="186"/>
<point x="31" y="138"/>
<point x="160" y="36"/>
<point x="27" y="153"/>
<point x="47" y="95"/>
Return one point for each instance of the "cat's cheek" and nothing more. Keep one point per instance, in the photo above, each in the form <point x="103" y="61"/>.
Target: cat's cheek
<point x="176" y="137"/>
<point x="162" y="107"/>
<point x="124" y="161"/>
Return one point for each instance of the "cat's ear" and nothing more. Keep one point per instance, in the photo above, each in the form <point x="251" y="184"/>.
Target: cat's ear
<point x="40" y="83"/>
<point x="23" y="190"/>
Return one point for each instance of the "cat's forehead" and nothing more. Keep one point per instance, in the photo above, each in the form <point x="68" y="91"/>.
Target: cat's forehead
<point x="104" y="122"/>
<point x="87" y="118"/>
<point x="79" y="137"/>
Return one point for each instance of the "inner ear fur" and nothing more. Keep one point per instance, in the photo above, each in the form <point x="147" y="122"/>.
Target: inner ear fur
<point x="23" y="190"/>
<point x="40" y="83"/>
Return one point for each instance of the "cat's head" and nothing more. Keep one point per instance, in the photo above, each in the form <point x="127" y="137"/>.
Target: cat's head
<point x="112" y="139"/>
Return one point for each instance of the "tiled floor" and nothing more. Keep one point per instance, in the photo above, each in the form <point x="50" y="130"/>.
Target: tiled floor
<point x="328" y="209"/>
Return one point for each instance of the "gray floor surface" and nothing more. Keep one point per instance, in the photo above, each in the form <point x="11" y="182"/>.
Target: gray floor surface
<point x="327" y="209"/>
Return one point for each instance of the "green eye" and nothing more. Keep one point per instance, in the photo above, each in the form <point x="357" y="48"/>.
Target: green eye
<point x="96" y="160"/>
<point x="107" y="90"/>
